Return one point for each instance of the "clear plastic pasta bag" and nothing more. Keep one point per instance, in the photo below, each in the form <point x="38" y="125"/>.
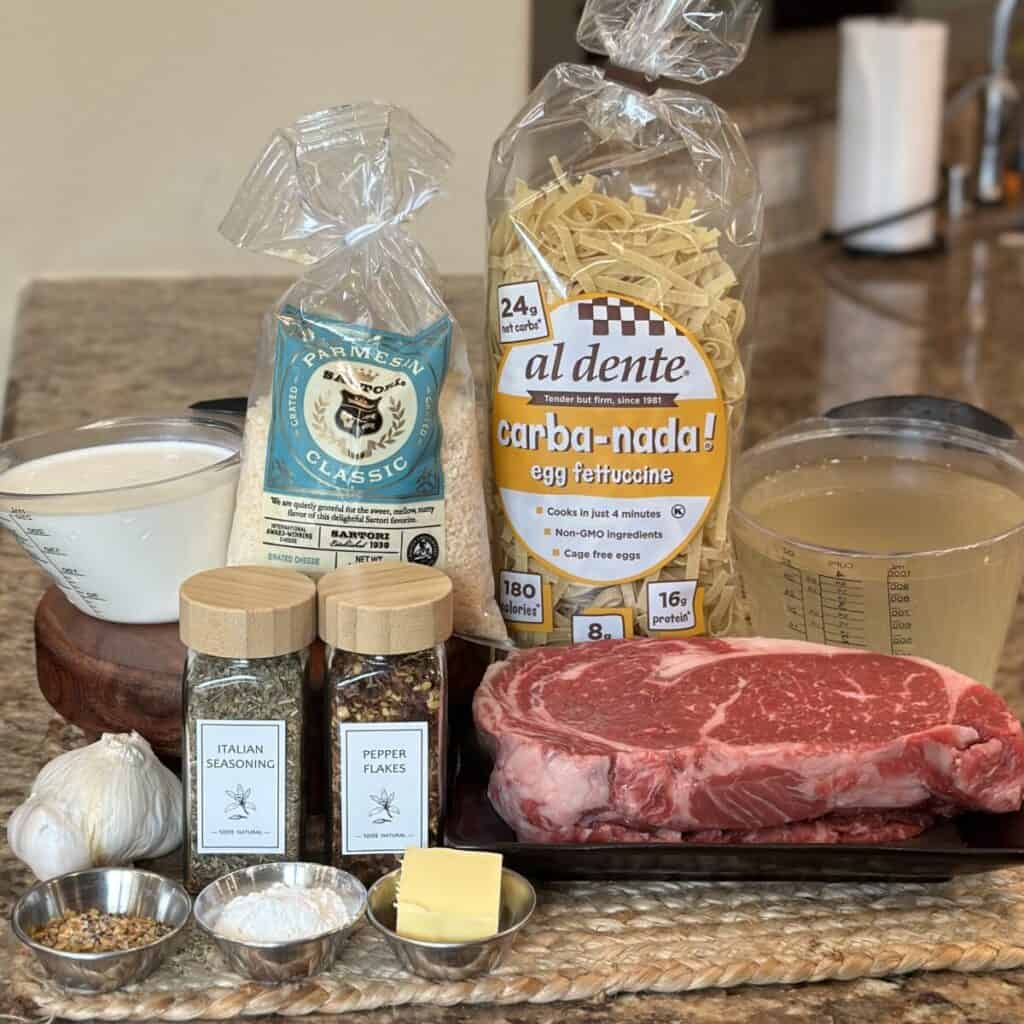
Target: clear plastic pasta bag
<point x="360" y="438"/>
<point x="624" y="236"/>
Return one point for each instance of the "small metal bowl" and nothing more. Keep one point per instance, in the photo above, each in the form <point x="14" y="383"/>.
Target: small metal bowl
<point x="453" y="961"/>
<point x="113" y="891"/>
<point x="280" y="961"/>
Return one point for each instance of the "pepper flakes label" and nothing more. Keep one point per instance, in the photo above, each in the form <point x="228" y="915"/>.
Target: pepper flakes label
<point x="609" y="440"/>
<point x="384" y="798"/>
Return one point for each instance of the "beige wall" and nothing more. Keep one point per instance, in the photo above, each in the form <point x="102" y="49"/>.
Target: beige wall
<point x="128" y="124"/>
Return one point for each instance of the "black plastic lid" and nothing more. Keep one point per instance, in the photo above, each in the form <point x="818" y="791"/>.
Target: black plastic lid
<point x="926" y="407"/>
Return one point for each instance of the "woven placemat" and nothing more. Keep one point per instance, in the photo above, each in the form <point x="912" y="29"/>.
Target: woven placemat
<point x="590" y="939"/>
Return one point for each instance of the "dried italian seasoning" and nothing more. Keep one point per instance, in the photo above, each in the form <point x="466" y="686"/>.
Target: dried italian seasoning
<point x="244" y="736"/>
<point x="248" y="630"/>
<point x="94" y="931"/>
<point x="385" y="626"/>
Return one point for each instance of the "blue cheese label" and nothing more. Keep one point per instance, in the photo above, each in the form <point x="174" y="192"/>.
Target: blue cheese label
<point x="384" y="787"/>
<point x="353" y="464"/>
<point x="240" y="787"/>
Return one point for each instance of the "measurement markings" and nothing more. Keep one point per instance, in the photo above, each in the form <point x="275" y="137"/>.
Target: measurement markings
<point x="796" y="579"/>
<point x="846" y="609"/>
<point x="42" y="556"/>
<point x="842" y="610"/>
<point x="896" y="599"/>
<point x="840" y="633"/>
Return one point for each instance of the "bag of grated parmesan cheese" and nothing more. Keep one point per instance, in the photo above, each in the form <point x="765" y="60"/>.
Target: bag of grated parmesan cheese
<point x="361" y="442"/>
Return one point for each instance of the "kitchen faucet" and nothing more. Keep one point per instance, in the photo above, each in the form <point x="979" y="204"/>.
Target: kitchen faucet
<point x="997" y="90"/>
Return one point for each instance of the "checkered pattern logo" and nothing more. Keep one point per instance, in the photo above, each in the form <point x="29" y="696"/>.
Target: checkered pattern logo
<point x="611" y="315"/>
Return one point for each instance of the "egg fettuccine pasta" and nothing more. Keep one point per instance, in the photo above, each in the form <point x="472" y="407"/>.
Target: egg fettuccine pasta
<point x="575" y="240"/>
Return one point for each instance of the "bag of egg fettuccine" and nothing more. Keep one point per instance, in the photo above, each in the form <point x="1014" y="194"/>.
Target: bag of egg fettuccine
<point x="361" y="442"/>
<point x="625" y="227"/>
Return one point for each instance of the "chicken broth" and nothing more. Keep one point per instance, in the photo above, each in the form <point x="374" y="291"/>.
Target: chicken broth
<point x="891" y="554"/>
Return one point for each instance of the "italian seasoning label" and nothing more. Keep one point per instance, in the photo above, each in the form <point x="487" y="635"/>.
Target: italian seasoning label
<point x="384" y="796"/>
<point x="242" y="775"/>
<point x="353" y="469"/>
<point x="609" y="439"/>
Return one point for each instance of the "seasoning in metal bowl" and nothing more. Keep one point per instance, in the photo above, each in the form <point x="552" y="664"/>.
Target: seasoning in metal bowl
<point x="94" y="931"/>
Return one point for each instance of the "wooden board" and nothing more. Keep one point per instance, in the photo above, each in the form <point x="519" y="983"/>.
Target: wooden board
<point x="108" y="677"/>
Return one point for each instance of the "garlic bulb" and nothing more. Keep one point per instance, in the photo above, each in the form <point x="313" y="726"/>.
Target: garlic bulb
<point x="112" y="802"/>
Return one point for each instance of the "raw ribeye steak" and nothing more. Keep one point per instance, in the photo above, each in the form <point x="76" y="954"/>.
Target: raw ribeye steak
<point x="715" y="740"/>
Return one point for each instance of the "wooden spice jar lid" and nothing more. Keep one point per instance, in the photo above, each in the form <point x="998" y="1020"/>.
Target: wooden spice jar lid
<point x="385" y="608"/>
<point x="248" y="611"/>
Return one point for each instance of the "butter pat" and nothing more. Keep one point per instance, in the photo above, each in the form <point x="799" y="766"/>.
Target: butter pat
<point x="449" y="895"/>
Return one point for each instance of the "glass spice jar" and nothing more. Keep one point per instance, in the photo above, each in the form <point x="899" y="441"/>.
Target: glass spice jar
<point x="248" y="630"/>
<point x="385" y="626"/>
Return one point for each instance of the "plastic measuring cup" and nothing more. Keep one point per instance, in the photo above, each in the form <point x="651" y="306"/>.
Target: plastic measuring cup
<point x="951" y="604"/>
<point x="120" y="553"/>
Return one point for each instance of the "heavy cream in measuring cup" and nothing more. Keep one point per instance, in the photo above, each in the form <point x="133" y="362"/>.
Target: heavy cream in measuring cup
<point x="110" y="466"/>
<point x="117" y="548"/>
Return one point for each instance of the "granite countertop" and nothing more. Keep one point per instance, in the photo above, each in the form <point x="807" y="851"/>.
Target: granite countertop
<point x="829" y="329"/>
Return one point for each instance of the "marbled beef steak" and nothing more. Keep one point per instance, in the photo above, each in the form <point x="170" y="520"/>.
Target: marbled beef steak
<point x="739" y="740"/>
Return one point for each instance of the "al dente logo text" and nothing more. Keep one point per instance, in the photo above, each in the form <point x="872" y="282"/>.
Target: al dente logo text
<point x="617" y="420"/>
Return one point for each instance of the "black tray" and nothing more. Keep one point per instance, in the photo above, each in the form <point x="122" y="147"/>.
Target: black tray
<point x="968" y="844"/>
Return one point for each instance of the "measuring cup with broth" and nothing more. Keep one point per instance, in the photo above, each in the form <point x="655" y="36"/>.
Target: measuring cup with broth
<point x="895" y="535"/>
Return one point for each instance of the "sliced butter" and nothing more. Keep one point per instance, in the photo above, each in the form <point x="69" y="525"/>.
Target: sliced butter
<point x="449" y="895"/>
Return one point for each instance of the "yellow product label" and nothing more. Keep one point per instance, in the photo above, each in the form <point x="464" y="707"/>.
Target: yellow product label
<point x="675" y="608"/>
<point x="609" y="440"/>
<point x="602" y="624"/>
<point x="525" y="601"/>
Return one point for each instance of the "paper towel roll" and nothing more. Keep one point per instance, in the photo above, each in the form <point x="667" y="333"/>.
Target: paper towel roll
<point x="891" y="86"/>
